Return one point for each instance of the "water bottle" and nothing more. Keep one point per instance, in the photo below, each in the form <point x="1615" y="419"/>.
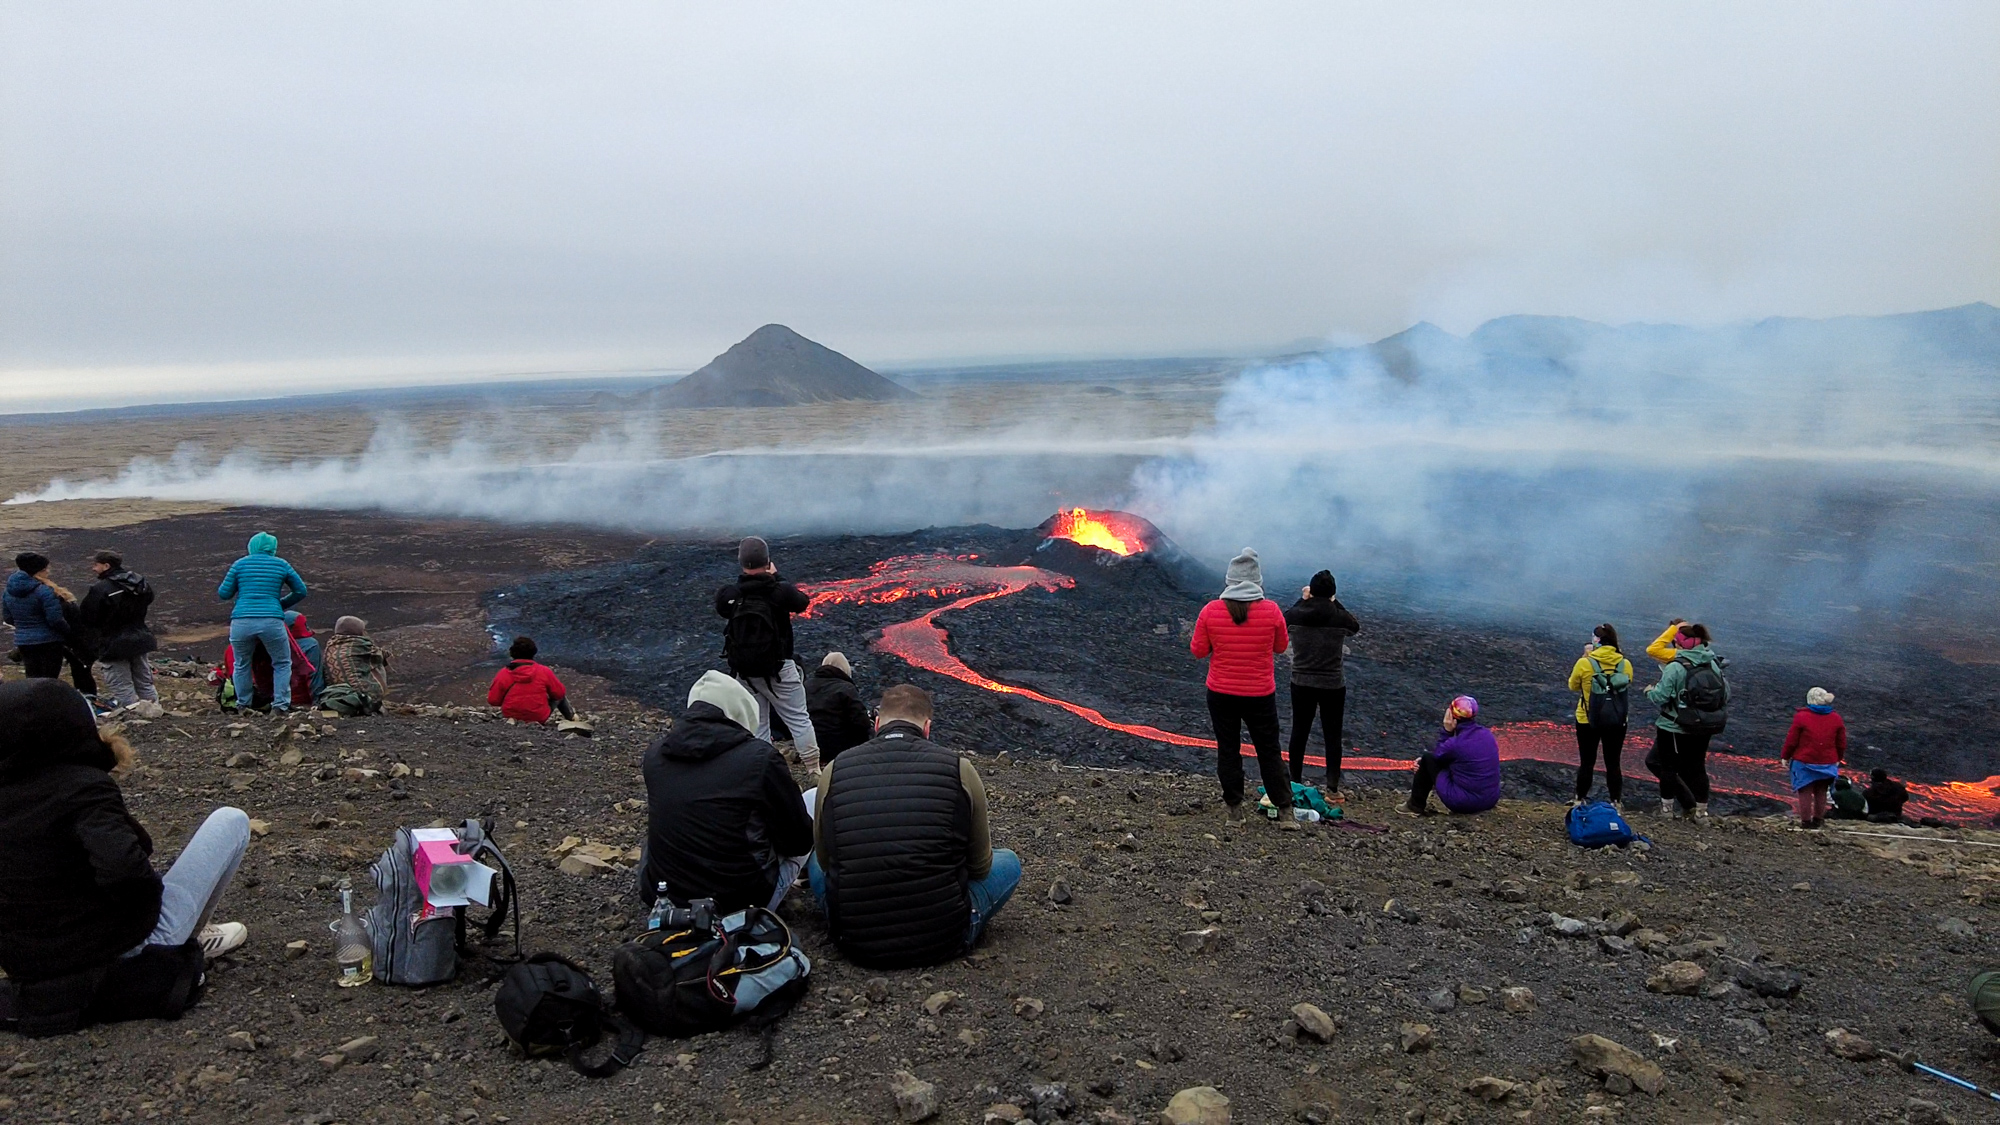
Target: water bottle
<point x="353" y="953"/>
<point x="1309" y="816"/>
<point x="661" y="904"/>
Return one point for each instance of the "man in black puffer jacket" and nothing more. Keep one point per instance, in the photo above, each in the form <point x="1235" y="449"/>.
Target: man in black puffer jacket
<point x="839" y="717"/>
<point x="904" y="861"/>
<point x="1319" y="626"/>
<point x="114" y="612"/>
<point x="726" y="821"/>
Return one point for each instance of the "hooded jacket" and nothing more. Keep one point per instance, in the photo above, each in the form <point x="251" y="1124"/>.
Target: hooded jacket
<point x="784" y="597"/>
<point x="77" y="888"/>
<point x="1241" y="658"/>
<point x="263" y="584"/>
<point x="1673" y="680"/>
<point x="357" y="662"/>
<point x="114" y="610"/>
<point x="1470" y="780"/>
<point x="1816" y="739"/>
<point x="262" y="674"/>
<point x="307" y="644"/>
<point x="840" y="720"/>
<point x="1319" y="629"/>
<point x="1583" y="672"/>
<point x="722" y="809"/>
<point x="525" y="691"/>
<point x="34" y="610"/>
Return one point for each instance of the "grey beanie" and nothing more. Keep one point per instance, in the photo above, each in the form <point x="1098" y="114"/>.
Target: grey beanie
<point x="1246" y="578"/>
<point x="753" y="554"/>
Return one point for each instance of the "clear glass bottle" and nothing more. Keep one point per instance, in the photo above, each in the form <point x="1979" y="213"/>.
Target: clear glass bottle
<point x="352" y="951"/>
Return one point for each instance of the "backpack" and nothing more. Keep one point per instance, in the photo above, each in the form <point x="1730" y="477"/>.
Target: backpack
<point x="1703" y="706"/>
<point x="548" y="1005"/>
<point x="415" y="943"/>
<point x="1597" y="824"/>
<point x="684" y="979"/>
<point x="750" y="642"/>
<point x="347" y="701"/>
<point x="1607" y="705"/>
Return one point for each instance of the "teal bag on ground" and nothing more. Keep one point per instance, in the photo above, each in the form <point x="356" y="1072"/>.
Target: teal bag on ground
<point x="1303" y="797"/>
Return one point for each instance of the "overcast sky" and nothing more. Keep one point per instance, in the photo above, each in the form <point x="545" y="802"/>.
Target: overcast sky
<point x="205" y="199"/>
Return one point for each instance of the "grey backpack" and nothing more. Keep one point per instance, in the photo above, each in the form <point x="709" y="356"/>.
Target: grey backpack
<point x="416" y="944"/>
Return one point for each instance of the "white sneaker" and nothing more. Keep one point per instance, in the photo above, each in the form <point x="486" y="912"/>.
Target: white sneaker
<point x="222" y="937"/>
<point x="1700" y="811"/>
<point x="1667" y="806"/>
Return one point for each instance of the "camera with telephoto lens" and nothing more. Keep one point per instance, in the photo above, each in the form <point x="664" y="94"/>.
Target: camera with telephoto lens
<point x="699" y="915"/>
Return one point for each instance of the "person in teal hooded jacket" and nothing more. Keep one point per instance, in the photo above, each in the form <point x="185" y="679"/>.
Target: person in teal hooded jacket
<point x="1680" y="755"/>
<point x="264" y="586"/>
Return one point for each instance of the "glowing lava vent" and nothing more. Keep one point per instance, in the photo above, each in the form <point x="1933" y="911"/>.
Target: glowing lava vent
<point x="1120" y="533"/>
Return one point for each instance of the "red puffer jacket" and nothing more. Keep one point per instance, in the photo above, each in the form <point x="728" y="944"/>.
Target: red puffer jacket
<point x="1240" y="656"/>
<point x="525" y="691"/>
<point x="1816" y="739"/>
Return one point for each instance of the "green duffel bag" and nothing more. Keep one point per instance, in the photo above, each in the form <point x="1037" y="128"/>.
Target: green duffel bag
<point x="1985" y="998"/>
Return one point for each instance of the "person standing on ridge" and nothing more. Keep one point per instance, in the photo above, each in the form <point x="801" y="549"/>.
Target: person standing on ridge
<point x="264" y="586"/>
<point x="1693" y="699"/>
<point x="114" y="609"/>
<point x="32" y="606"/>
<point x="1600" y="678"/>
<point x="1240" y="634"/>
<point x="1815" y="749"/>
<point x="1319" y="627"/>
<point x="757" y="644"/>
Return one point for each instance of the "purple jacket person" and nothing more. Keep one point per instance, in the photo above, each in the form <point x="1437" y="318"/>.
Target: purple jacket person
<point x="1464" y="770"/>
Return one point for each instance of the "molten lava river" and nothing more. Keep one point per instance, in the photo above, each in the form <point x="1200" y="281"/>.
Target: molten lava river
<point x="961" y="582"/>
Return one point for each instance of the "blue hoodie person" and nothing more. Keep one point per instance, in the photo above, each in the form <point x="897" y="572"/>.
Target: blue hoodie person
<point x="264" y="586"/>
<point x="35" y="611"/>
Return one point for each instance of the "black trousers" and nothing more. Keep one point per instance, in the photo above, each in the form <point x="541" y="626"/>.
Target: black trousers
<point x="1589" y="737"/>
<point x="1428" y="769"/>
<point x="79" y="672"/>
<point x="1331" y="703"/>
<point x="1230" y="714"/>
<point x="1680" y="761"/>
<point x="43" y="661"/>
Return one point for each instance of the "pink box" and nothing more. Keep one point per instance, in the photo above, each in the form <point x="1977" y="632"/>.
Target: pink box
<point x="432" y="853"/>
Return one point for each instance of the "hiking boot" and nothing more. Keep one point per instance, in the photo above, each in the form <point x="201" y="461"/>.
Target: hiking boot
<point x="1574" y="802"/>
<point x="1668" y="808"/>
<point x="1287" y="822"/>
<point x="1233" y="816"/>
<point x="1700" y="812"/>
<point x="1408" y="809"/>
<point x="221" y="937"/>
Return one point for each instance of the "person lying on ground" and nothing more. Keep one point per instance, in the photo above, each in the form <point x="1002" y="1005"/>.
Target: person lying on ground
<point x="114" y="610"/>
<point x="757" y="643"/>
<point x="839" y="718"/>
<point x="1815" y="747"/>
<point x="1240" y="635"/>
<point x="264" y="586"/>
<point x="1319" y="627"/>
<point x="89" y="932"/>
<point x="525" y="691"/>
<point x="1848" y="802"/>
<point x="725" y="820"/>
<point x="1464" y="769"/>
<point x="31" y="605"/>
<point x="1885" y="797"/>
<point x="903" y="859"/>
<point x="356" y="669"/>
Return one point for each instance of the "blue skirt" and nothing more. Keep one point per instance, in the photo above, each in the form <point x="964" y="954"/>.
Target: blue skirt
<point x="1804" y="774"/>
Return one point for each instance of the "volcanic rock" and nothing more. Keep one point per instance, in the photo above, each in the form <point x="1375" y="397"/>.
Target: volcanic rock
<point x="1197" y="1105"/>
<point x="1313" y="1021"/>
<point x="1414" y="1037"/>
<point x="1677" y="978"/>
<point x="1849" y="1046"/>
<point x="1489" y="1088"/>
<point x="1605" y="1057"/>
<point x="916" y="1099"/>
<point x="1520" y="1001"/>
<point x="775" y="366"/>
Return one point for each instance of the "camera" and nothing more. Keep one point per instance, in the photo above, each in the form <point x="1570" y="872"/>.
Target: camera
<point x="699" y="914"/>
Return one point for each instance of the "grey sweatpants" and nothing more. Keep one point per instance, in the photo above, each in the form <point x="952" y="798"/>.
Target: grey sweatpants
<point x="787" y="693"/>
<point x="121" y="683"/>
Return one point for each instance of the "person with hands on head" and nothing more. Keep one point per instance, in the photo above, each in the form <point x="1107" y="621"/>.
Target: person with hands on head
<point x="1815" y="749"/>
<point x="1319" y="626"/>
<point x="1692" y="697"/>
<point x="1464" y="769"/>
<point x="1240" y="634"/>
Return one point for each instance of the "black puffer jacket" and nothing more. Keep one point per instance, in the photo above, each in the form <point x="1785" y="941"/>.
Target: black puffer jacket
<point x="723" y="810"/>
<point x="77" y="887"/>
<point x="114" y="616"/>
<point x="840" y="719"/>
<point x="1320" y="628"/>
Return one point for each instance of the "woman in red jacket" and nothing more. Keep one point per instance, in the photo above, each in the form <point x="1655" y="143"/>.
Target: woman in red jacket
<point x="1240" y="634"/>
<point x="526" y="691"/>
<point x="1816" y="746"/>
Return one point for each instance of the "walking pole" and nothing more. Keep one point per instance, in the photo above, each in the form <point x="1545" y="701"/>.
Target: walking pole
<point x="1909" y="1062"/>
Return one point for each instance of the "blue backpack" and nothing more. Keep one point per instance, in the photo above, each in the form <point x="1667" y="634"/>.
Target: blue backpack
<point x="1598" y="825"/>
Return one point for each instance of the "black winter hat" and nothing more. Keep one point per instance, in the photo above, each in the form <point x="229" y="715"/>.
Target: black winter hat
<point x="46" y="721"/>
<point x="1322" y="584"/>
<point x="31" y="563"/>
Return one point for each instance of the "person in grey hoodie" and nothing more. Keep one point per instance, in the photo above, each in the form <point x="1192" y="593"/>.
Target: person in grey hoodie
<point x="1319" y="626"/>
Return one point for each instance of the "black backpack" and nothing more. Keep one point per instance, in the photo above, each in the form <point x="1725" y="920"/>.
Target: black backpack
<point x="751" y="643"/>
<point x="1703" y="705"/>
<point x="1608" y="706"/>
<point x="690" y="978"/>
<point x="548" y="1005"/>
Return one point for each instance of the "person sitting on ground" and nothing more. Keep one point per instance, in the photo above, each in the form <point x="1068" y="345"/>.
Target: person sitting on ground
<point x="903" y="859"/>
<point x="1816" y="745"/>
<point x="31" y="605"/>
<point x="1319" y="626"/>
<point x="725" y="820"/>
<point x="757" y="643"/>
<point x="1848" y="803"/>
<point x="1886" y="797"/>
<point x="356" y="670"/>
<point x="264" y="587"/>
<point x="114" y="609"/>
<point x="1464" y="770"/>
<point x="525" y="691"/>
<point x="839" y="718"/>
<point x="89" y="932"/>
<point x="308" y="642"/>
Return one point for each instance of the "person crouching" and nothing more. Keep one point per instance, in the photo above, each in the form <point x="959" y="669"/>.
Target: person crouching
<point x="903" y="858"/>
<point x="1464" y="770"/>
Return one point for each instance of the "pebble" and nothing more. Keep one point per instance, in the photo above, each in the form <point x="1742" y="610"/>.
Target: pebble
<point x="361" y="1049"/>
<point x="937" y="1002"/>
<point x="1958" y="928"/>
<point x="241" y="1041"/>
<point x="1490" y="1088"/>
<point x="1313" y="1021"/>
<point x="1471" y="994"/>
<point x="1849" y="1046"/>
<point x="1414" y="1037"/>
<point x="1441" y="1001"/>
<point x="1677" y="978"/>
<point x="1206" y="940"/>
<point x="296" y="949"/>
<point x="916" y="1099"/>
<point x="1029" y="1008"/>
<point x="1059" y="893"/>
<point x="1197" y="1105"/>
<point x="877" y="989"/>
<point x="1608" y="1057"/>
<point x="1518" y="1000"/>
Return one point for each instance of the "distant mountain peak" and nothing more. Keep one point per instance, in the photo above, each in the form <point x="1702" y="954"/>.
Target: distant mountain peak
<point x="775" y="366"/>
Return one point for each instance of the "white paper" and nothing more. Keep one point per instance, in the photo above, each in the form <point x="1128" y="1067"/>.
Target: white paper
<point x="478" y="892"/>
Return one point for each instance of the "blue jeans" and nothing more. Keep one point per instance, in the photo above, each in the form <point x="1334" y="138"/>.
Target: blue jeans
<point x="193" y="886"/>
<point x="269" y="632"/>
<point x="988" y="895"/>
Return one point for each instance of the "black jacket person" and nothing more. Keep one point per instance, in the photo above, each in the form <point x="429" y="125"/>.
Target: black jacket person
<point x="839" y="717"/>
<point x="1319" y="627"/>
<point x="726" y="821"/>
<point x="904" y="861"/>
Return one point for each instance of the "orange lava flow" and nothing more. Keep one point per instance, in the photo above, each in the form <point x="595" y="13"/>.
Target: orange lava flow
<point x="924" y="644"/>
<point x="1093" y="530"/>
